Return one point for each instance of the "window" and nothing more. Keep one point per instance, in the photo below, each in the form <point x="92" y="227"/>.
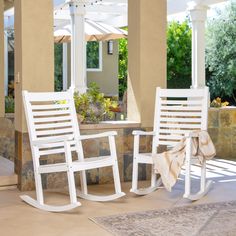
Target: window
<point x="94" y="56"/>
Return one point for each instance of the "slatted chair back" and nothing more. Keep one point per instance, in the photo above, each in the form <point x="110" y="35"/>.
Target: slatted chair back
<point x="49" y="116"/>
<point x="177" y="113"/>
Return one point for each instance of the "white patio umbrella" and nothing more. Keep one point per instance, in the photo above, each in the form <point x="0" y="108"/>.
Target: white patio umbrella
<point x="94" y="31"/>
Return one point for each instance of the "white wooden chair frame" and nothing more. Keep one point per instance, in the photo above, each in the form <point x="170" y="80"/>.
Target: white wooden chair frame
<point x="53" y="129"/>
<point x="173" y="120"/>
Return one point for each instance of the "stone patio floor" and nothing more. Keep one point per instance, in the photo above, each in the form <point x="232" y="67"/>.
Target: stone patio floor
<point x="16" y="217"/>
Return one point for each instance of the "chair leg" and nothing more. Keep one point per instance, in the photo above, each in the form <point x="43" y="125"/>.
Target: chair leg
<point x="72" y="189"/>
<point x="83" y="181"/>
<point x="188" y="168"/>
<point x="153" y="178"/>
<point x="116" y="177"/>
<point x="39" y="203"/>
<point x="203" y="176"/>
<point x="39" y="188"/>
<point x="134" y="176"/>
<point x="204" y="185"/>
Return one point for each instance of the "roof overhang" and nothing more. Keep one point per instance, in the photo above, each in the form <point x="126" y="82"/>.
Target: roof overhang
<point x="8" y="4"/>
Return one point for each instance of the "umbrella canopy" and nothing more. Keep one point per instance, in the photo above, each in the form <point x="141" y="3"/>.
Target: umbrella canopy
<point x="94" y="31"/>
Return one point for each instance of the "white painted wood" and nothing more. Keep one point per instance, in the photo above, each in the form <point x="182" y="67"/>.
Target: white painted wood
<point x="97" y="198"/>
<point x="65" y="66"/>
<point x="46" y="207"/>
<point x="49" y="107"/>
<point x="53" y="128"/>
<point x="5" y="63"/>
<point x="78" y="47"/>
<point x="173" y="120"/>
<point x="198" y="15"/>
<point x="181" y="108"/>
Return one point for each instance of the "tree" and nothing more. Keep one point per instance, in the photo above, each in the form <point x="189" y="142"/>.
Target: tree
<point x="123" y="65"/>
<point x="179" y="54"/>
<point x="221" y="53"/>
<point x="92" y="54"/>
<point x="58" y="67"/>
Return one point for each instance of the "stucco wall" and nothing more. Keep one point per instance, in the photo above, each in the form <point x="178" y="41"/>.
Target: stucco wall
<point x="107" y="79"/>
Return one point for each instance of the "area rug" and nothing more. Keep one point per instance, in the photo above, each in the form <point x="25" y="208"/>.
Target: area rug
<point x="215" y="219"/>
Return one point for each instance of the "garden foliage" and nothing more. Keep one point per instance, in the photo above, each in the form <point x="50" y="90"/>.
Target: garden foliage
<point x="221" y="53"/>
<point x="92" y="106"/>
<point x="179" y="54"/>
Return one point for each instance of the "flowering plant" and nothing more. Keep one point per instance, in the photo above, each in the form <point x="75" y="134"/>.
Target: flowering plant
<point x="217" y="102"/>
<point x="92" y="106"/>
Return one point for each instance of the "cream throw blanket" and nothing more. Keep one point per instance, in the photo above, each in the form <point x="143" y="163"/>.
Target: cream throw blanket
<point x="168" y="164"/>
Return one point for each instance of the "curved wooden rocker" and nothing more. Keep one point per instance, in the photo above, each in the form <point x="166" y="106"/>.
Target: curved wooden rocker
<point x="46" y="207"/>
<point x="53" y="129"/>
<point x="98" y="198"/>
<point x="174" y="119"/>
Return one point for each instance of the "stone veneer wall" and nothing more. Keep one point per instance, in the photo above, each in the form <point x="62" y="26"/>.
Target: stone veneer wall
<point x="222" y="129"/>
<point x="92" y="148"/>
<point x="7" y="137"/>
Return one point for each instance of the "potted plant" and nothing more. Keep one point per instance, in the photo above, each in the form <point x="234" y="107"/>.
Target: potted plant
<point x="92" y="106"/>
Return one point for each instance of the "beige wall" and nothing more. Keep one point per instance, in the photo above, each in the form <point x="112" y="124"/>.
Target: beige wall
<point x="2" y="97"/>
<point x="107" y="79"/>
<point x="147" y="57"/>
<point x="34" y="51"/>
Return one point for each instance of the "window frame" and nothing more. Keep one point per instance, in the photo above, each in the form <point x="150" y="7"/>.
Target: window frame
<point x="99" y="69"/>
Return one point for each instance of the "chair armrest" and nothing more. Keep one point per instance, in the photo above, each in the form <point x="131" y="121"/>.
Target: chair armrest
<point x="51" y="140"/>
<point x="101" y="135"/>
<point x="140" y="132"/>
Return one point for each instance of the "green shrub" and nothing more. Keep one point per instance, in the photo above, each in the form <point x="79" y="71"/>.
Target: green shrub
<point x="92" y="106"/>
<point x="9" y="104"/>
<point x="179" y="38"/>
<point x="123" y="65"/>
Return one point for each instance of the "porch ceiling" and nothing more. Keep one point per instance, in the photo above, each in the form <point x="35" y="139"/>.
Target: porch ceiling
<point x="174" y="8"/>
<point x="113" y="12"/>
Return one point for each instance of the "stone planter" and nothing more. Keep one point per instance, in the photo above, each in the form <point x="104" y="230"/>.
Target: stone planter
<point x="222" y="129"/>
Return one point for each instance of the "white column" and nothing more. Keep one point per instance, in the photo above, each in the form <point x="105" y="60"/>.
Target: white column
<point x="198" y="13"/>
<point x="78" y="47"/>
<point x="5" y="64"/>
<point x="64" y="66"/>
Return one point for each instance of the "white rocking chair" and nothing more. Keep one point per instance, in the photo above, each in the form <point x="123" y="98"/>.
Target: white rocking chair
<point x="53" y="129"/>
<point x="178" y="112"/>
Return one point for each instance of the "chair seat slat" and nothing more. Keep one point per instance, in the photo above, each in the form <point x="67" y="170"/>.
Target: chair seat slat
<point x="170" y="137"/>
<point x="54" y="151"/>
<point x="167" y="143"/>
